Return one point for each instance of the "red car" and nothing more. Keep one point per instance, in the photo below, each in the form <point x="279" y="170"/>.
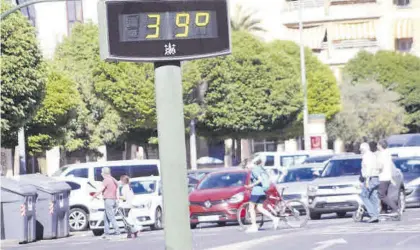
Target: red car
<point x="219" y="195"/>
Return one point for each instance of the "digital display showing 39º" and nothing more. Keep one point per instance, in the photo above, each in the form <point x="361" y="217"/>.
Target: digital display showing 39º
<point x="168" y="26"/>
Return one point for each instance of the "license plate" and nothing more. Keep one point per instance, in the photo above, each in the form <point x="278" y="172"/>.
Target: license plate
<point x="208" y="218"/>
<point x="334" y="199"/>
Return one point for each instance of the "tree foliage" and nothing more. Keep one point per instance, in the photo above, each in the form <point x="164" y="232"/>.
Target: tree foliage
<point x="322" y="88"/>
<point x="370" y="111"/>
<point x="97" y="122"/>
<point x="395" y="71"/>
<point x="256" y="91"/>
<point x="58" y="108"/>
<point x="22" y="74"/>
<point x="245" y="20"/>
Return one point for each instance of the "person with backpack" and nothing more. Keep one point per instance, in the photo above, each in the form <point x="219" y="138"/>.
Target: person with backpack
<point x="260" y="183"/>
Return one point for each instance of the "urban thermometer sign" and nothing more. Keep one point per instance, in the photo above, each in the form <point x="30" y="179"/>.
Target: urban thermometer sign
<point x="163" y="30"/>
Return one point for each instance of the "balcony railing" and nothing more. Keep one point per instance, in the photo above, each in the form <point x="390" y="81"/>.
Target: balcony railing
<point x="294" y="5"/>
<point x="344" y="2"/>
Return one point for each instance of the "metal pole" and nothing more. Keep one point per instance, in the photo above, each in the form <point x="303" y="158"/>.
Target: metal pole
<point x="22" y="150"/>
<point x="193" y="145"/>
<point x="172" y="155"/>
<point x="303" y="79"/>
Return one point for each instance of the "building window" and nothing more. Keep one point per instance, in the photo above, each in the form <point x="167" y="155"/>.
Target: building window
<point x="28" y="12"/>
<point x="402" y="3"/>
<point x="74" y="13"/>
<point x="264" y="146"/>
<point x="403" y="44"/>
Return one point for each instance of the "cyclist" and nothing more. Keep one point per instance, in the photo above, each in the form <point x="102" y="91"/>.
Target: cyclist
<point x="260" y="183"/>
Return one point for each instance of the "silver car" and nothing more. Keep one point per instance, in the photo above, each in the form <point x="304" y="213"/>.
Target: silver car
<point x="410" y="167"/>
<point x="296" y="179"/>
<point x="338" y="188"/>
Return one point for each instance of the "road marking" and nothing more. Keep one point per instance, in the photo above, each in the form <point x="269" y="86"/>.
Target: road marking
<point x="329" y="243"/>
<point x="247" y="244"/>
<point x="407" y="240"/>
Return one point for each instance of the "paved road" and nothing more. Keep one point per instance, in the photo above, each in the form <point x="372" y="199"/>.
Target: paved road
<point x="329" y="233"/>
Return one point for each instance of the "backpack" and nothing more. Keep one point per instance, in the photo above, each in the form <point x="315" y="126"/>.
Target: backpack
<point x="265" y="182"/>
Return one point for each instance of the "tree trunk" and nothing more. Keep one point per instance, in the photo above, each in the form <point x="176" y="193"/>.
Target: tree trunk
<point x="146" y="151"/>
<point x="238" y="150"/>
<point x="228" y="152"/>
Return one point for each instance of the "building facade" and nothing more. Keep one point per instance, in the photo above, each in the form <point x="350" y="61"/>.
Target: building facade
<point x="336" y="30"/>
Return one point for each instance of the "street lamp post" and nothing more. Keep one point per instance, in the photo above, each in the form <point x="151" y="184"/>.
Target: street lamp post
<point x="303" y="79"/>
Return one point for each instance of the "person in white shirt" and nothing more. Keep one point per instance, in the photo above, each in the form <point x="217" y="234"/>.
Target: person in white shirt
<point x="127" y="197"/>
<point x="386" y="175"/>
<point x="370" y="173"/>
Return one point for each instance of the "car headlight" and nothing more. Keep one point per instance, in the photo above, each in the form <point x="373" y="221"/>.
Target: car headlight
<point x="147" y="204"/>
<point x="237" y="198"/>
<point x="312" y="189"/>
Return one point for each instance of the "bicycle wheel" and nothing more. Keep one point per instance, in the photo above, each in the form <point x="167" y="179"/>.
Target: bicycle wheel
<point x="358" y="214"/>
<point x="295" y="213"/>
<point x="244" y="218"/>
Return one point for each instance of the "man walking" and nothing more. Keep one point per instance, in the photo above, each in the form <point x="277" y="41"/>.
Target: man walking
<point x="370" y="173"/>
<point x="109" y="194"/>
<point x="386" y="176"/>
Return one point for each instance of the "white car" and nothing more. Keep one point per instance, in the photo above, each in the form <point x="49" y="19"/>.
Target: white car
<point x="79" y="200"/>
<point x="147" y="206"/>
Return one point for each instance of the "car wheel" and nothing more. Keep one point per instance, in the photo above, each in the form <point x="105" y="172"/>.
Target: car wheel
<point x="314" y="216"/>
<point x="193" y="226"/>
<point x="341" y="214"/>
<point x="78" y="220"/>
<point x="158" y="220"/>
<point x="221" y="224"/>
<point x="97" y="232"/>
<point x="401" y="200"/>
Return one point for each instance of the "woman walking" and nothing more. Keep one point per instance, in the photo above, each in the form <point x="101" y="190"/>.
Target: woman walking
<point x="127" y="196"/>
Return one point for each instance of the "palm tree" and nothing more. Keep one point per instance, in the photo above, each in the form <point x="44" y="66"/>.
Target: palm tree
<point x="244" y="20"/>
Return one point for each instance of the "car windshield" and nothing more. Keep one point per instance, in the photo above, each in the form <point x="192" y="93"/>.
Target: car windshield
<point x="223" y="180"/>
<point x="143" y="187"/>
<point x="301" y="174"/>
<point x="60" y="171"/>
<point x="342" y="167"/>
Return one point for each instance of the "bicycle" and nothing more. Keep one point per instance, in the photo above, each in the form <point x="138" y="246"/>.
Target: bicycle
<point x="286" y="210"/>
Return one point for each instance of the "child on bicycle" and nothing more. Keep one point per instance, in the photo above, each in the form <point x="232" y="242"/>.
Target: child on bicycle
<point x="260" y="183"/>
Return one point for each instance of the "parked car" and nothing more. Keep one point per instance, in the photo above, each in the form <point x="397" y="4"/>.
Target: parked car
<point x="287" y="159"/>
<point x="405" y="145"/>
<point x="199" y="174"/>
<point x="410" y="167"/>
<point x="147" y="206"/>
<point x="80" y="196"/>
<point x="92" y="170"/>
<point x="338" y="188"/>
<point x="296" y="180"/>
<point x="322" y="158"/>
<point x="219" y="195"/>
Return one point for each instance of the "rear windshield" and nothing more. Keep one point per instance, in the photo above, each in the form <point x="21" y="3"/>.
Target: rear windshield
<point x="131" y="171"/>
<point x="345" y="167"/>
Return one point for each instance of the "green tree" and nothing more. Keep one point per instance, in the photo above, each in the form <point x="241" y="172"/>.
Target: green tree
<point x="370" y="111"/>
<point x="395" y="71"/>
<point x="251" y="91"/>
<point x="322" y="87"/>
<point x="97" y="122"/>
<point x="245" y="20"/>
<point x="58" y="108"/>
<point x="22" y="74"/>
